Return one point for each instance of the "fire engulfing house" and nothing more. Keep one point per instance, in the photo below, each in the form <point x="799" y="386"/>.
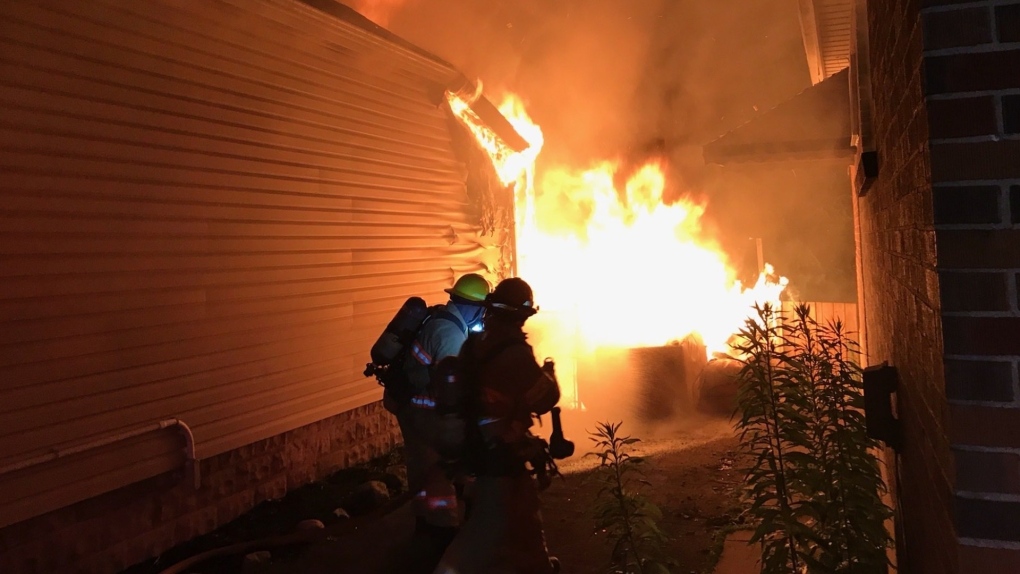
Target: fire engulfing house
<point x="933" y="157"/>
<point x="209" y="211"/>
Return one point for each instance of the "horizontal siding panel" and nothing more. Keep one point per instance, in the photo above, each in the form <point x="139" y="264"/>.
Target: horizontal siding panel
<point x="131" y="461"/>
<point x="85" y="244"/>
<point x="149" y="399"/>
<point x="25" y="382"/>
<point x="348" y="169"/>
<point x="103" y="423"/>
<point x="28" y="127"/>
<point x="338" y="42"/>
<point x="161" y="65"/>
<point x="109" y="85"/>
<point x="63" y="285"/>
<point x="208" y="221"/>
<point x="302" y="65"/>
<point x="191" y="404"/>
<point x="273" y="421"/>
<point x="126" y="104"/>
<point x="18" y="160"/>
<point x="111" y="303"/>
<point x="298" y="19"/>
<point x="214" y="233"/>
<point x="144" y="345"/>
<point x="32" y="215"/>
<point x="175" y="376"/>
<point x="53" y="191"/>
<point x="18" y="266"/>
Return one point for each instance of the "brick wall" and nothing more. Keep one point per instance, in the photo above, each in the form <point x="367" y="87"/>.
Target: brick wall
<point x="940" y="260"/>
<point x="972" y="89"/>
<point x="901" y="286"/>
<point x="111" y="532"/>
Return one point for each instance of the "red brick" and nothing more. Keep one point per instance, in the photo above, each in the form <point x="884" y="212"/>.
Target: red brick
<point x="976" y="160"/>
<point x="978" y="248"/>
<point x="982" y="560"/>
<point x="955" y="28"/>
<point x="1007" y="22"/>
<point x="990" y="381"/>
<point x="975" y="291"/>
<point x="985" y="426"/>
<point x="992" y="472"/>
<point x="972" y="72"/>
<point x="988" y="519"/>
<point x="1014" y="203"/>
<point x="1011" y="114"/>
<point x="967" y="204"/>
<point x="981" y="335"/>
<point x="962" y="117"/>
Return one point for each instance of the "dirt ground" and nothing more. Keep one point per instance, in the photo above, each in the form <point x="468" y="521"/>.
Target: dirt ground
<point x="692" y="474"/>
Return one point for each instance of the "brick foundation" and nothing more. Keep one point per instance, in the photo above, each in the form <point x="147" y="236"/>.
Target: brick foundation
<point x="110" y="532"/>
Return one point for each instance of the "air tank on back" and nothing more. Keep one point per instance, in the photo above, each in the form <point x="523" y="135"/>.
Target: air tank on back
<point x="399" y="331"/>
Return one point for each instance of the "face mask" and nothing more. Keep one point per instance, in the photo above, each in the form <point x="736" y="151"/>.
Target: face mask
<point x="472" y="315"/>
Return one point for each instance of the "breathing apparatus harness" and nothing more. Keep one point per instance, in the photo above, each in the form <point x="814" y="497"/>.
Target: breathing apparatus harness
<point x="391" y="350"/>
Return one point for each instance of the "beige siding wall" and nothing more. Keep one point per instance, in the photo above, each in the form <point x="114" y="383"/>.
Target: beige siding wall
<point x="208" y="210"/>
<point x="825" y="25"/>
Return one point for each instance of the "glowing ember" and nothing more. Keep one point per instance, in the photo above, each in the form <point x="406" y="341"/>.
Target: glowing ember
<point x="625" y="268"/>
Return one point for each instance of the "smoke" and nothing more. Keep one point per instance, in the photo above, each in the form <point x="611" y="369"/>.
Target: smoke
<point x="630" y="80"/>
<point x="379" y="11"/>
<point x="607" y="79"/>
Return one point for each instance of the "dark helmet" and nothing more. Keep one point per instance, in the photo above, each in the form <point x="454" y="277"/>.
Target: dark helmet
<point x="514" y="297"/>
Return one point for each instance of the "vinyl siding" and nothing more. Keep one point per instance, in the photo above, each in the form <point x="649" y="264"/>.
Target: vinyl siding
<point x="834" y="33"/>
<point x="209" y="210"/>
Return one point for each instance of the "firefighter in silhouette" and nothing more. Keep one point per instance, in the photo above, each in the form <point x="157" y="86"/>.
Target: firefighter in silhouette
<point x="506" y="386"/>
<point x="441" y="335"/>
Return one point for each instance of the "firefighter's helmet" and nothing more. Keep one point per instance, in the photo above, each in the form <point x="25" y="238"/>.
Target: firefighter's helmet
<point x="513" y="296"/>
<point x="471" y="287"/>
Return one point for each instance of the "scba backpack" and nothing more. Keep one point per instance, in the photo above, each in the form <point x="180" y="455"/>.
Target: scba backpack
<point x="391" y="350"/>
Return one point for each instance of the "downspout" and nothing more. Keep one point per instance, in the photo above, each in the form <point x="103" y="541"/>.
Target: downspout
<point x="191" y="464"/>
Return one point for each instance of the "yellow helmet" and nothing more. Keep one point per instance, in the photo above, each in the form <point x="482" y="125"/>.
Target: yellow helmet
<point x="472" y="287"/>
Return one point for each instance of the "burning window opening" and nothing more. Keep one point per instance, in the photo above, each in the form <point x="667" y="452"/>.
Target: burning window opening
<point x="611" y="267"/>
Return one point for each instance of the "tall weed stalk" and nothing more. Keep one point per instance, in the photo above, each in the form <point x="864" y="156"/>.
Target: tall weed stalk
<point x="629" y="519"/>
<point x="814" y="490"/>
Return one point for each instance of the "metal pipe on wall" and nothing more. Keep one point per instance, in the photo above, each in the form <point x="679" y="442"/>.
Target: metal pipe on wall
<point x="191" y="464"/>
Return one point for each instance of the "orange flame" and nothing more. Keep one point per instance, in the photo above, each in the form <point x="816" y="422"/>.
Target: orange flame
<point x="628" y="271"/>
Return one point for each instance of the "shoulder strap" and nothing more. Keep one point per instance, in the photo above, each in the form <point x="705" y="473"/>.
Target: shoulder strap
<point x="444" y="314"/>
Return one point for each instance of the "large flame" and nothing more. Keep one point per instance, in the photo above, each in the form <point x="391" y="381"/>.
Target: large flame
<point x="617" y="267"/>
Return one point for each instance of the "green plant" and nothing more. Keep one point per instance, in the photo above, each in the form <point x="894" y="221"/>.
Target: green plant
<point x="843" y="479"/>
<point x="629" y="519"/>
<point x="814" y="489"/>
<point x="772" y="428"/>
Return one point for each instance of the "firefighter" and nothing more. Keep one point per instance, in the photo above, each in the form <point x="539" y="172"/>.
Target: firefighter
<point x="503" y="533"/>
<point x="435" y="502"/>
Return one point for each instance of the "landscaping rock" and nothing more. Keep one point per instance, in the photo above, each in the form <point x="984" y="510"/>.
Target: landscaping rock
<point x="310" y="524"/>
<point x="254" y="560"/>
